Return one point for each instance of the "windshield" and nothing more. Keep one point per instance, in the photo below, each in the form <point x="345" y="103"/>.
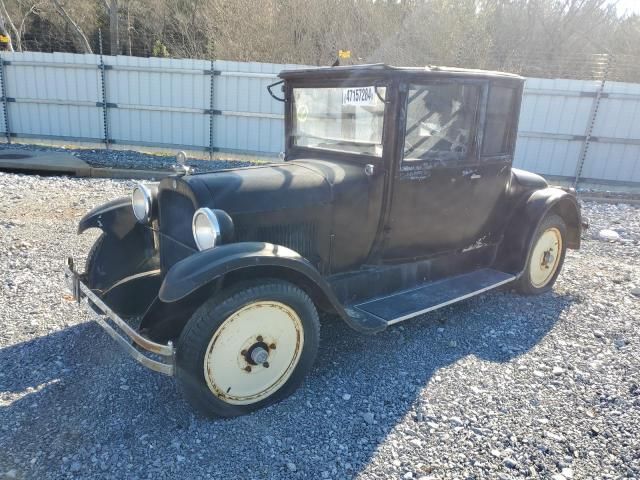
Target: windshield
<point x="340" y="119"/>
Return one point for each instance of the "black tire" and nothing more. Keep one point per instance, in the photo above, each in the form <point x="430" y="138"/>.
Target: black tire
<point x="524" y="284"/>
<point x="206" y="320"/>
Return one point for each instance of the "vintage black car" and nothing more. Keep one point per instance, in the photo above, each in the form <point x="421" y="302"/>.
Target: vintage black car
<point x="397" y="197"/>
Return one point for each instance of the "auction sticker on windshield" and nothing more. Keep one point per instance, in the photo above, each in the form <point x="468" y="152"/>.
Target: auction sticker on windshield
<point x="363" y="96"/>
<point x="302" y="112"/>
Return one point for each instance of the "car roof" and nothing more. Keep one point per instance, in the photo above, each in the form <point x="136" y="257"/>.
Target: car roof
<point x="385" y="71"/>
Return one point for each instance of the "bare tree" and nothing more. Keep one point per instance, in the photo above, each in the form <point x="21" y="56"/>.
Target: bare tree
<point x="532" y="37"/>
<point x="80" y="38"/>
<point x="129" y="28"/>
<point x="33" y="9"/>
<point x="112" y="8"/>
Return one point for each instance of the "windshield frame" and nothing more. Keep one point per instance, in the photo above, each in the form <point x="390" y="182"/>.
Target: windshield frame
<point x="294" y="151"/>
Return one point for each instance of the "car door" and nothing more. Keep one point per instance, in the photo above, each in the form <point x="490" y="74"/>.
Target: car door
<point x="431" y="199"/>
<point x="490" y="172"/>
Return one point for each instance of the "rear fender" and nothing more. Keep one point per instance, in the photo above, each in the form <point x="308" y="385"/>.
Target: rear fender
<point x="525" y="220"/>
<point x="247" y="260"/>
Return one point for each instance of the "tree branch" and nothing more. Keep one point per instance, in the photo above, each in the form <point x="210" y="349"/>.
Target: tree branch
<point x="26" y="15"/>
<point x="81" y="39"/>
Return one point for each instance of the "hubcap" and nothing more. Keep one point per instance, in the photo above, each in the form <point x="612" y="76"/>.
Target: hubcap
<point x="545" y="257"/>
<point x="259" y="355"/>
<point x="254" y="352"/>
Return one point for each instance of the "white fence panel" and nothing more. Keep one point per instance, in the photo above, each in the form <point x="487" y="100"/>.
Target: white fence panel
<point x="150" y="101"/>
<point x="53" y="94"/>
<point x="158" y="101"/>
<point x="250" y="120"/>
<point x="614" y="154"/>
<point x="554" y="121"/>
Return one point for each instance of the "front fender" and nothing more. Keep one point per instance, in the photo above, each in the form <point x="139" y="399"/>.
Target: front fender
<point x="201" y="268"/>
<point x="126" y="249"/>
<point x="114" y="217"/>
<point x="190" y="274"/>
<point x="525" y="220"/>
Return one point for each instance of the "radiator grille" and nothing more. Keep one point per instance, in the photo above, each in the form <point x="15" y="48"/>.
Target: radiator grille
<point x="176" y="238"/>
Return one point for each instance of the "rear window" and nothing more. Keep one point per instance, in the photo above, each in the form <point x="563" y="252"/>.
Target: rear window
<point x="497" y="128"/>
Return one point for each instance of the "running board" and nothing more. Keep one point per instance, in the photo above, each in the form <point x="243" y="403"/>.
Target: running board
<point x="406" y="304"/>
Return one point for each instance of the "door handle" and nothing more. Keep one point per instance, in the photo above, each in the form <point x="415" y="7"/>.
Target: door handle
<point x="472" y="174"/>
<point x="369" y="169"/>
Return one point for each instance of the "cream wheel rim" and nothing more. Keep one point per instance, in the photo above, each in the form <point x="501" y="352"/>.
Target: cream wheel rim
<point x="254" y="352"/>
<point x="545" y="257"/>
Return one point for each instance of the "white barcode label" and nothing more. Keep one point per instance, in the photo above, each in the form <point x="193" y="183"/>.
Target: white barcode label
<point x="359" y="96"/>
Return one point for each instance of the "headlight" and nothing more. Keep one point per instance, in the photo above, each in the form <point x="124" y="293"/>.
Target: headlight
<point x="206" y="228"/>
<point x="142" y="203"/>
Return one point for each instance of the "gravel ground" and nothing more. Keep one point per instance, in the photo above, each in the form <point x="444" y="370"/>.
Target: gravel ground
<point x="500" y="386"/>
<point x="131" y="159"/>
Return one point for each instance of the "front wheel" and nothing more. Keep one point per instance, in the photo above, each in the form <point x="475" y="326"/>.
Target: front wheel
<point x="546" y="257"/>
<point x="247" y="348"/>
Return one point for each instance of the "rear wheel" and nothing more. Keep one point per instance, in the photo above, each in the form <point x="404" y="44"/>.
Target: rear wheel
<point x="546" y="257"/>
<point x="247" y="348"/>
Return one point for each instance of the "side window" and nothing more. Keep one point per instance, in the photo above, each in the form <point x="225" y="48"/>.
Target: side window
<point x="440" y="120"/>
<point x="496" y="131"/>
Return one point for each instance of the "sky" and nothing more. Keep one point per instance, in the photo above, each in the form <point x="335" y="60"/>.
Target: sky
<point x="627" y="6"/>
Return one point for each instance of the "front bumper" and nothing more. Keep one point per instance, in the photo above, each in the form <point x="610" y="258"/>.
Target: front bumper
<point x="101" y="313"/>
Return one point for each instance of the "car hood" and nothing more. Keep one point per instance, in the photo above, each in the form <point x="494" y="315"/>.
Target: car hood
<point x="281" y="186"/>
<point x="261" y="188"/>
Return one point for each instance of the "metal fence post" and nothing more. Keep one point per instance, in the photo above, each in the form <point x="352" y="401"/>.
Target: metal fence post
<point x="593" y="115"/>
<point x="211" y="111"/>
<point x="3" y="90"/>
<point x="103" y="83"/>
